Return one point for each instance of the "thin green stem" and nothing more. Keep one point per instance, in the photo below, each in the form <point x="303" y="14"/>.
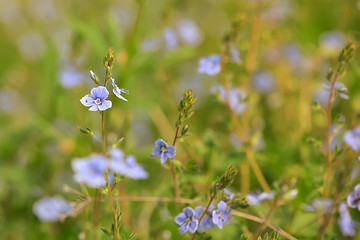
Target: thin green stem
<point x="173" y="170"/>
<point x="265" y="222"/>
<point x="203" y="214"/>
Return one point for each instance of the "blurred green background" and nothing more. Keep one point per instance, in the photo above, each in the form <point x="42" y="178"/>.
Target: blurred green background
<point x="47" y="48"/>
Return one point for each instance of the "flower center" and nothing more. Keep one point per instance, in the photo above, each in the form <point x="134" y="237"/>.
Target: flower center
<point x="98" y="101"/>
<point x="188" y="220"/>
<point x="163" y="149"/>
<point x="220" y="214"/>
<point x="211" y="64"/>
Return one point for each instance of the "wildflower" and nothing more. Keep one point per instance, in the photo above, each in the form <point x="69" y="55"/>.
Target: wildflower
<point x="229" y="194"/>
<point x="170" y="38"/>
<point x="91" y="170"/>
<point x="259" y="197"/>
<point x="189" y="32"/>
<point x="210" y="65"/>
<point x="352" y="138"/>
<point x="70" y="77"/>
<point x="332" y="42"/>
<point x="322" y="205"/>
<point x="96" y="100"/>
<point x="163" y="150"/>
<point x="263" y="81"/>
<point x="207" y="220"/>
<point x="117" y="91"/>
<point x="339" y="88"/>
<point x="235" y="55"/>
<point x="186" y="220"/>
<point x="235" y="97"/>
<point x="346" y="223"/>
<point x="127" y="167"/>
<point x="221" y="215"/>
<point x="49" y="209"/>
<point x="353" y="199"/>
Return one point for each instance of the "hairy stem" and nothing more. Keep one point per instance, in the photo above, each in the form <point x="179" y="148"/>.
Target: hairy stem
<point x="203" y="214"/>
<point x="265" y="222"/>
<point x="173" y="170"/>
<point x="117" y="234"/>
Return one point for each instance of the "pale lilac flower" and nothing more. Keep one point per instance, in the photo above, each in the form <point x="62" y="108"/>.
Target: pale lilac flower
<point x="352" y="138"/>
<point x="126" y="166"/>
<point x="96" y="100"/>
<point x="353" y="199"/>
<point x="170" y="39"/>
<point x="70" y="77"/>
<point x="186" y="220"/>
<point x="235" y="98"/>
<point x="229" y="194"/>
<point x="339" y="88"/>
<point x="163" y="150"/>
<point x="322" y="205"/>
<point x="210" y="65"/>
<point x="91" y="170"/>
<point x="259" y="197"/>
<point x="346" y="223"/>
<point x="221" y="215"/>
<point x="207" y="220"/>
<point x="189" y="32"/>
<point x="263" y="81"/>
<point x="235" y="55"/>
<point x="150" y="45"/>
<point x="117" y="91"/>
<point x="49" y="209"/>
<point x="332" y="42"/>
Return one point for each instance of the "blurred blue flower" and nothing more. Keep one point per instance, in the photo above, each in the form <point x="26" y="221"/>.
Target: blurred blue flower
<point x="352" y="138"/>
<point x="210" y="65"/>
<point x="229" y="194"/>
<point x="186" y="220"/>
<point x="189" y="32"/>
<point x="221" y="215"/>
<point x="96" y="100"/>
<point x="127" y="167"/>
<point x="235" y="55"/>
<point x="353" y="199"/>
<point x="70" y="77"/>
<point x="332" y="42"/>
<point x="322" y="205"/>
<point x="235" y="98"/>
<point x="91" y="170"/>
<point x="170" y="39"/>
<point x="207" y="220"/>
<point x="163" y="150"/>
<point x="263" y="81"/>
<point x="346" y="223"/>
<point x="50" y="209"/>
<point x="259" y="197"/>
<point x="117" y="91"/>
<point x="340" y="89"/>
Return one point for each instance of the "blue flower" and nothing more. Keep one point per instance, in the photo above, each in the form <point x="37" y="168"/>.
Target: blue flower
<point x="229" y="194"/>
<point x="70" y="77"/>
<point x="339" y="88"/>
<point x="207" y="220"/>
<point x="50" y="209"/>
<point x="346" y="223"/>
<point x="235" y="97"/>
<point x="332" y="42"/>
<point x="221" y="215"/>
<point x="263" y="81"/>
<point x="353" y="199"/>
<point x="163" y="150"/>
<point x="170" y="39"/>
<point x="96" y="100"/>
<point x="189" y="32"/>
<point x="210" y="65"/>
<point x="322" y="205"/>
<point x="259" y="197"/>
<point x="127" y="167"/>
<point x="91" y="170"/>
<point x="186" y="220"/>
<point x="117" y="91"/>
<point x="352" y="138"/>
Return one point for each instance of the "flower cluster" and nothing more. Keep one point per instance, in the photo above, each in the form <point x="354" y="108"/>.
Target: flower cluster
<point x="96" y="100"/>
<point x="163" y="150"/>
<point x="188" y="220"/>
<point x="91" y="170"/>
